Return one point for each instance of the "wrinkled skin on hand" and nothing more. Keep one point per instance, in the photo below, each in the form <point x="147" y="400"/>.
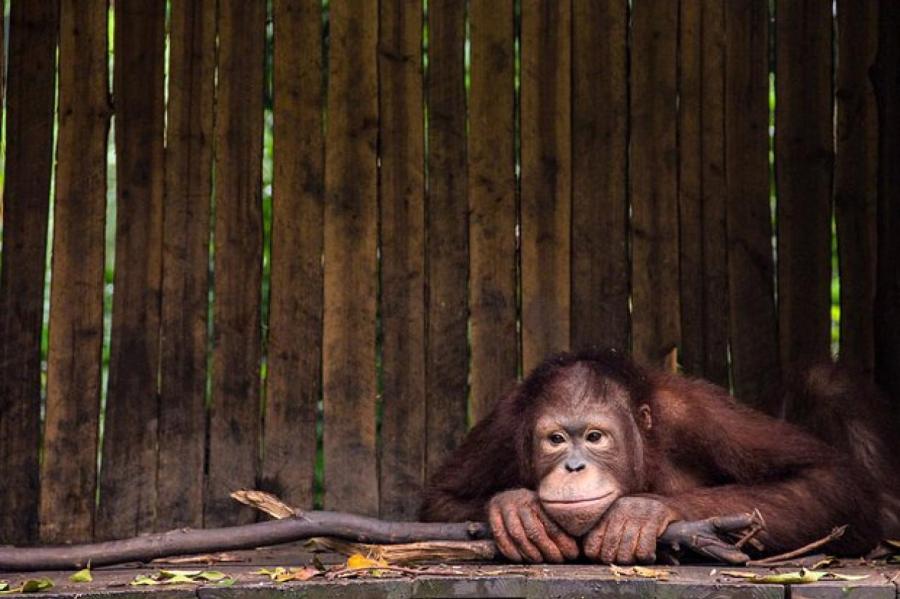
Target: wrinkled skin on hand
<point x="628" y="531"/>
<point x="524" y="532"/>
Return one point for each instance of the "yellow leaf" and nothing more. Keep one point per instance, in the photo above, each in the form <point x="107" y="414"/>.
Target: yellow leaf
<point x="803" y="576"/>
<point x="82" y="576"/>
<point x="34" y="586"/>
<point x="358" y="561"/>
<point x="272" y="574"/>
<point x="739" y="574"/>
<point x="650" y="572"/>
<point x="144" y="580"/>
<point x="640" y="572"/>
<point x="211" y="575"/>
<point x="895" y="543"/>
<point x="172" y="573"/>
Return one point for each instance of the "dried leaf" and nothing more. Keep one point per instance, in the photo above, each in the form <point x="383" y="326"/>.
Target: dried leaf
<point x="895" y="543"/>
<point x="358" y="561"/>
<point x="739" y="574"/>
<point x="3" y="585"/>
<point x="144" y="580"/>
<point x="651" y="572"/>
<point x="33" y="586"/>
<point x="640" y="572"/>
<point x="272" y="574"/>
<point x="226" y="582"/>
<point x="163" y="574"/>
<point x="827" y="561"/>
<point x="849" y="576"/>
<point x="280" y="574"/>
<point x="82" y="576"/>
<point x="180" y="577"/>
<point x="803" y="576"/>
<point x="303" y="574"/>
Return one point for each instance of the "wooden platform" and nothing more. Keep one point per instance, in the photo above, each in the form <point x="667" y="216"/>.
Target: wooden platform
<point x="476" y="580"/>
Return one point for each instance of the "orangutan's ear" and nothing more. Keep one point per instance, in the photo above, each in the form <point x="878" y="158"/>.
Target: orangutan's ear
<point x="644" y="417"/>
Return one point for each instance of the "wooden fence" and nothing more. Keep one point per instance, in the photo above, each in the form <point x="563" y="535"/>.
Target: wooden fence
<point x="459" y="189"/>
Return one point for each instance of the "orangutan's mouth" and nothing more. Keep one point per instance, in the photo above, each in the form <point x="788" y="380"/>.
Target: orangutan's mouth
<point x="574" y="502"/>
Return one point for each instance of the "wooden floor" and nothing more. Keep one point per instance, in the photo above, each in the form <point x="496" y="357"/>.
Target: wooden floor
<point x="477" y="580"/>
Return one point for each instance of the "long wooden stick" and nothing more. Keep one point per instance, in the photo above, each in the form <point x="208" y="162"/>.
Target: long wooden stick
<point x="702" y="536"/>
<point x="303" y="525"/>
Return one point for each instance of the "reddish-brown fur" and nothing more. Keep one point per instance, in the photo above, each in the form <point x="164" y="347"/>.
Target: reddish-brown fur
<point x="705" y="455"/>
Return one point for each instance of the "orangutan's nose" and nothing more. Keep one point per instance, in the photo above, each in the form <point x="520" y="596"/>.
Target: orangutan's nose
<point x="574" y="465"/>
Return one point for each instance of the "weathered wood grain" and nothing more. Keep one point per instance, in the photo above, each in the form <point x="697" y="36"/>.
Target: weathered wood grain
<point x="351" y="217"/>
<point x="33" y="32"/>
<point x="546" y="194"/>
<point x="804" y="157"/>
<point x="751" y="281"/>
<point x="701" y="191"/>
<point x="132" y="406"/>
<point x="887" y="294"/>
<point x="856" y="180"/>
<point x="185" y="282"/>
<point x="294" y="384"/>
<point x="402" y="221"/>
<point x="492" y="205"/>
<point x="447" y="360"/>
<point x="69" y="469"/>
<point x="653" y="181"/>
<point x="235" y="416"/>
<point x="600" y="264"/>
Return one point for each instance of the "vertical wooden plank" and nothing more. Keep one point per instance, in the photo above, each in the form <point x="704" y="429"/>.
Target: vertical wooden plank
<point x="701" y="190"/>
<point x="185" y="291"/>
<point x="856" y="180"/>
<point x="546" y="125"/>
<point x="402" y="203"/>
<point x="887" y="295"/>
<point x="69" y="474"/>
<point x="132" y="406"/>
<point x="653" y="180"/>
<point x="351" y="481"/>
<point x="751" y="283"/>
<point x="26" y="198"/>
<point x="234" y="421"/>
<point x="295" y="314"/>
<point x="492" y="204"/>
<point x="447" y="362"/>
<point x="3" y="62"/>
<point x="600" y="266"/>
<point x="804" y="157"/>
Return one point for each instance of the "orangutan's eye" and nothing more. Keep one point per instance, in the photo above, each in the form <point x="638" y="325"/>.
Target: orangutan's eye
<point x="594" y="437"/>
<point x="557" y="439"/>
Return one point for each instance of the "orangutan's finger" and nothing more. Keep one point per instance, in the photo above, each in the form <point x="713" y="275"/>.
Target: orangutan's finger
<point x="516" y="531"/>
<point x="534" y="530"/>
<point x="612" y="539"/>
<point x="628" y="543"/>
<point x="594" y="540"/>
<point x="501" y="537"/>
<point x="567" y="545"/>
